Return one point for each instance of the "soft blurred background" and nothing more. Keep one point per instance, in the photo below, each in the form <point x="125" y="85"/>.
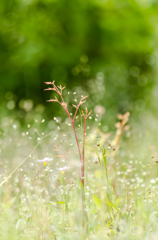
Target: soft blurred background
<point x="104" y="48"/>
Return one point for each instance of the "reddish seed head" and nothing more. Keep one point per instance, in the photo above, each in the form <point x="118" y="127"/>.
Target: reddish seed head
<point x="96" y="161"/>
<point x="48" y="82"/>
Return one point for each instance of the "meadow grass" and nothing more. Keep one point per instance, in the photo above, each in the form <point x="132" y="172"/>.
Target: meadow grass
<point x="41" y="188"/>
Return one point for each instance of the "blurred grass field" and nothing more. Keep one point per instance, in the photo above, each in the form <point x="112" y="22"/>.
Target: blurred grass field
<point x="41" y="201"/>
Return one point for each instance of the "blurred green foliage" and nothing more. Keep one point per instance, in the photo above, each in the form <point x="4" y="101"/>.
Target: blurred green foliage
<point x="104" y="47"/>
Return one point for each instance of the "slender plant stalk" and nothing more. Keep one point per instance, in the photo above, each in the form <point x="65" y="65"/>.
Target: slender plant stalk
<point x="79" y="152"/>
<point x="82" y="168"/>
<point x="83" y="157"/>
<point x="58" y="90"/>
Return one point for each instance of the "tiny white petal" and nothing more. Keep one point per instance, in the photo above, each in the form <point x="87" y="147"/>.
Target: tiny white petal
<point x="46" y="159"/>
<point x="63" y="168"/>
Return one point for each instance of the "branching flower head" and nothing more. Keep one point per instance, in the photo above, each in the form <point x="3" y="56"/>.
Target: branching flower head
<point x="58" y="90"/>
<point x="87" y="114"/>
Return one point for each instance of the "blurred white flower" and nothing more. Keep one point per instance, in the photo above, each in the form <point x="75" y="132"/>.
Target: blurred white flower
<point x="153" y="181"/>
<point x="63" y="169"/>
<point x="45" y="160"/>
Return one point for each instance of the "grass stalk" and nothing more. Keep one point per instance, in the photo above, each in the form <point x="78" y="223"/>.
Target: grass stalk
<point x="58" y="90"/>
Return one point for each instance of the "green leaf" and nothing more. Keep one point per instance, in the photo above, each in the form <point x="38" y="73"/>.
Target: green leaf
<point x="118" y="201"/>
<point x="60" y="202"/>
<point x="10" y="203"/>
<point x="97" y="201"/>
<point x="104" y="159"/>
<point x="112" y="205"/>
<point x="99" y="159"/>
